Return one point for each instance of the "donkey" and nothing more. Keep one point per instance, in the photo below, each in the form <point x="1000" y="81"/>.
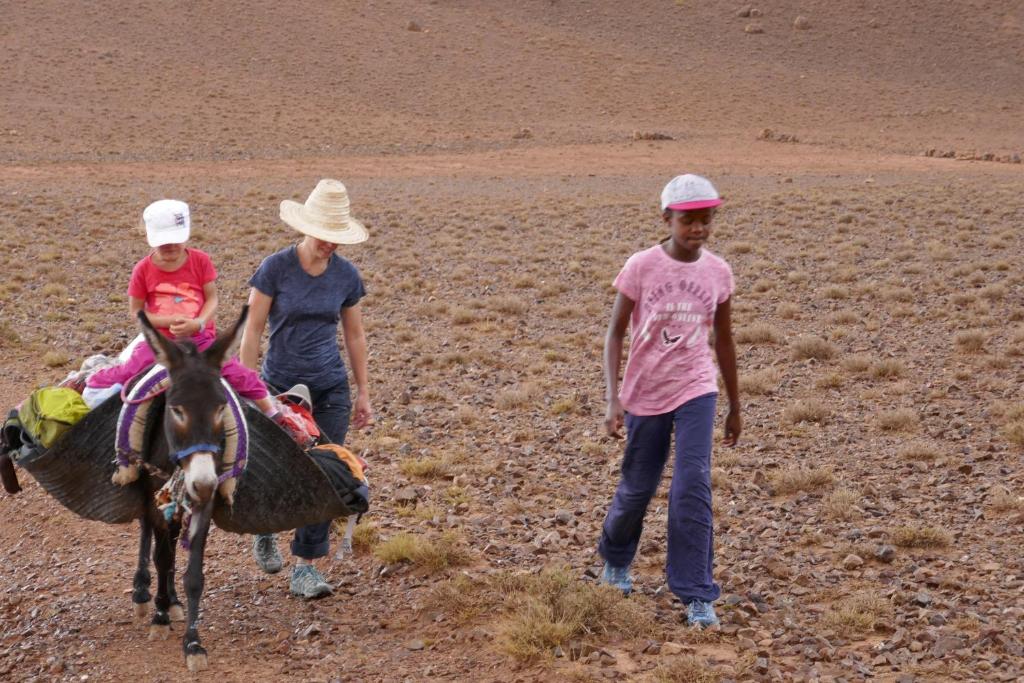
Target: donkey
<point x="186" y="435"/>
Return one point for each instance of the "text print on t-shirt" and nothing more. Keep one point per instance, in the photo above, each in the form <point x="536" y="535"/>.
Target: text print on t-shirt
<point x="683" y="321"/>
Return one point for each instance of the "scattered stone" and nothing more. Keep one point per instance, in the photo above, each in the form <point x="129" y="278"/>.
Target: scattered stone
<point x="415" y="645"/>
<point x="642" y="135"/>
<point x="753" y="28"/>
<point x="670" y="648"/>
<point x="744" y="12"/>
<point x="945" y="645"/>
<point x="773" y="136"/>
<point x="310" y="630"/>
<point x="407" y="495"/>
<point x="885" y="553"/>
<point x="801" y="23"/>
<point x="522" y="134"/>
<point x="414" y="27"/>
<point x="563" y="516"/>
<point x="852" y="561"/>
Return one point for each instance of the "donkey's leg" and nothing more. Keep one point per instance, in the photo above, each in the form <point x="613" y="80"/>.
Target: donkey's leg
<point x="163" y="558"/>
<point x="195" y="655"/>
<point x="175" y="611"/>
<point x="140" y="583"/>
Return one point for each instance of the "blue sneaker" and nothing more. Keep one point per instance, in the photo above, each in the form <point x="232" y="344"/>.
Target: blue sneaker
<point x="700" y="613"/>
<point x="617" y="577"/>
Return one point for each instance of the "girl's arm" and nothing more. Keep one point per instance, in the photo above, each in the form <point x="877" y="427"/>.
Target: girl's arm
<point x="184" y="327"/>
<point x="136" y="305"/>
<point x="725" y="350"/>
<point x="206" y="313"/>
<point x="259" y="309"/>
<point x="615" y="415"/>
<point x="355" y="342"/>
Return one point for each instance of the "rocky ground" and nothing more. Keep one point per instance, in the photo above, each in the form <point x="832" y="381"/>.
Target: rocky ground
<point x="507" y="162"/>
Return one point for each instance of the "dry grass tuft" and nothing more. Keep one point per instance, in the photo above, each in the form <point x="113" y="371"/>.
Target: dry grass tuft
<point x="857" y="362"/>
<point x="788" y="310"/>
<point x="808" y="347"/>
<point x="553" y="607"/>
<point x="567" y="405"/>
<point x="857" y="614"/>
<point x="795" y="479"/>
<point x="898" y="420"/>
<point x="919" y="450"/>
<point x="1001" y="500"/>
<point x="686" y="669"/>
<point x="760" y="382"/>
<point x="517" y="397"/>
<point x="970" y="341"/>
<point x="1014" y="432"/>
<point x="921" y="537"/>
<point x="424" y="468"/>
<point x="842" y="504"/>
<point x="55" y="359"/>
<point x="448" y="550"/>
<point x="805" y="410"/>
<point x="758" y="333"/>
<point x="830" y="380"/>
<point x="365" y="536"/>
<point x="887" y="368"/>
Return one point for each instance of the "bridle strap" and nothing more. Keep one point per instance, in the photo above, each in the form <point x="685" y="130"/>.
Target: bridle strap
<point x="178" y="456"/>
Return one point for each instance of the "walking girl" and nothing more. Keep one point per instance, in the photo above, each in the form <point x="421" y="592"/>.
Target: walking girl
<point x="670" y="296"/>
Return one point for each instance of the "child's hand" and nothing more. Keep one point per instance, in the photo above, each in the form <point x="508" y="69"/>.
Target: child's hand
<point x="614" y="417"/>
<point x="733" y="427"/>
<point x="183" y="327"/>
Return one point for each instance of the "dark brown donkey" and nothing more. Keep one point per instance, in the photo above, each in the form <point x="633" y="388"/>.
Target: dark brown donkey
<point x="187" y="434"/>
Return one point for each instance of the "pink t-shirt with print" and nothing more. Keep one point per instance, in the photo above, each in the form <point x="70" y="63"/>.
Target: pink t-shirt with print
<point x="674" y="309"/>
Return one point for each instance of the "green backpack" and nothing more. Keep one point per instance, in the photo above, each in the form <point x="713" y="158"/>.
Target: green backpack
<point x="49" y="412"/>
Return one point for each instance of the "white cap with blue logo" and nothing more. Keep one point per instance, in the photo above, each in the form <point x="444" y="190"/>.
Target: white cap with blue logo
<point x="167" y="222"/>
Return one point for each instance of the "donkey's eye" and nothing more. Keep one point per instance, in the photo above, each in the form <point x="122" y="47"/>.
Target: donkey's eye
<point x="179" y="414"/>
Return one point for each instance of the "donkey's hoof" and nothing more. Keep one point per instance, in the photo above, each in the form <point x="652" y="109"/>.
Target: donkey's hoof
<point x="176" y="613"/>
<point x="159" y="631"/>
<point x="142" y="609"/>
<point x="196" y="662"/>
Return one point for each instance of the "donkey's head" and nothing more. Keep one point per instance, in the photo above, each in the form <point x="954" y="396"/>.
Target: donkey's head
<point x="195" y="404"/>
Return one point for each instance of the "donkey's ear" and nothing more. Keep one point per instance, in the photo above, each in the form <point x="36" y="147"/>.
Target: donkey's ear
<point x="227" y="342"/>
<point x="167" y="353"/>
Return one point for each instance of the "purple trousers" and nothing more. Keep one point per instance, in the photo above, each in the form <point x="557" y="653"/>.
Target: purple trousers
<point x="690" y="529"/>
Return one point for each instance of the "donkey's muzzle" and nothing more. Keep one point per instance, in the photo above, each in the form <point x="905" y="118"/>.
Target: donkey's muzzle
<point x="200" y="476"/>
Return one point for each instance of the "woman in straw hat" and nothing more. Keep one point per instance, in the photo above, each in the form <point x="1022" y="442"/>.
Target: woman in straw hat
<point x="304" y="291"/>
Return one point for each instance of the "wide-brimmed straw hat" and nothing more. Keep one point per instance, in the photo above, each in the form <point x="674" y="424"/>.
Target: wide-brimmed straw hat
<point x="325" y="215"/>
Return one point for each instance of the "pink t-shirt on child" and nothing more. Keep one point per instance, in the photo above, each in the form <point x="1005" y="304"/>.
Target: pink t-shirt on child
<point x="674" y="309"/>
<point x="178" y="292"/>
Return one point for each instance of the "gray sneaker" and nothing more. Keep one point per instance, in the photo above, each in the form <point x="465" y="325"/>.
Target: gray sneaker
<point x="308" y="583"/>
<point x="264" y="551"/>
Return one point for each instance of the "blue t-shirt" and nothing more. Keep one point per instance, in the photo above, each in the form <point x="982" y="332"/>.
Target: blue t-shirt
<point x="304" y="318"/>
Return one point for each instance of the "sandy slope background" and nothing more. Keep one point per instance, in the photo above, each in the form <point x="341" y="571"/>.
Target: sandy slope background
<point x="507" y="158"/>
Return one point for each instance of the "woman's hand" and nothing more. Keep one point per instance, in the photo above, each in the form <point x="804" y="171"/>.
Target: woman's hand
<point x="733" y="427"/>
<point x="362" y="413"/>
<point x="614" y="417"/>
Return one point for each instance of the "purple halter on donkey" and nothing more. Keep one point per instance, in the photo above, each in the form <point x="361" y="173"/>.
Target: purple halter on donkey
<point x="186" y="438"/>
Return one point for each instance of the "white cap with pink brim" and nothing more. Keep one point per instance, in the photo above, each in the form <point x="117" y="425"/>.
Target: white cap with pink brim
<point x="687" y="192"/>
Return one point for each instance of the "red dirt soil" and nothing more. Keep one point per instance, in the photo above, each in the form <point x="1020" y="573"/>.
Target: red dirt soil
<point x="474" y="137"/>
